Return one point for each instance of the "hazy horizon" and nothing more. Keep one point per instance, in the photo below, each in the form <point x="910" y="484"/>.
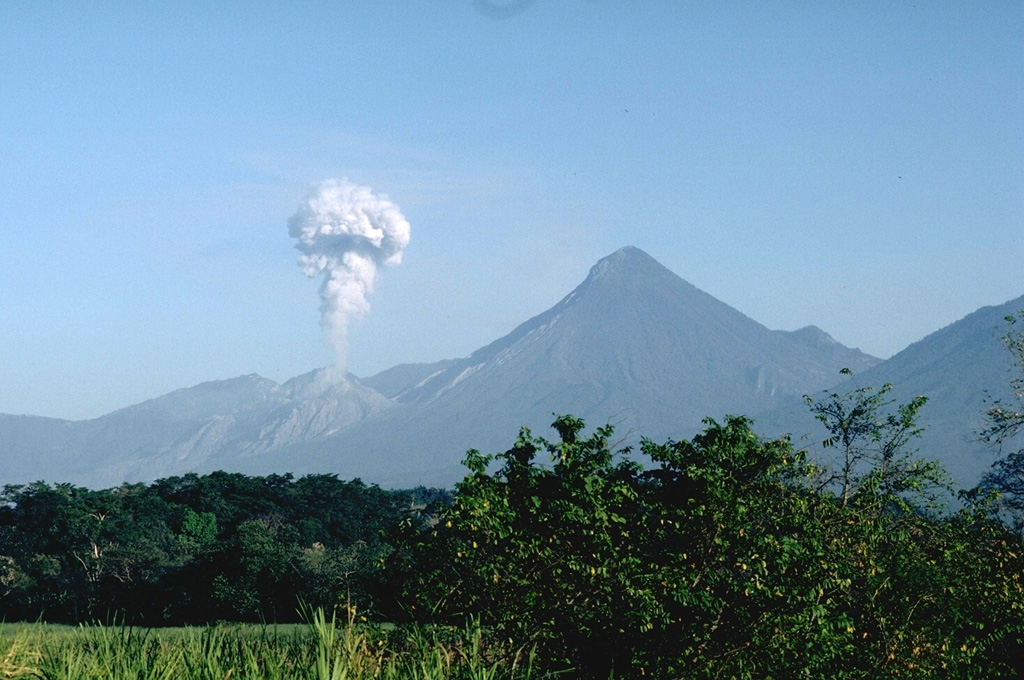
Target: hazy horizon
<point x="856" y="168"/>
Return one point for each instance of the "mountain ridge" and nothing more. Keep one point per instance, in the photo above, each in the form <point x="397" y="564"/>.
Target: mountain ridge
<point x="633" y="345"/>
<point x="958" y="368"/>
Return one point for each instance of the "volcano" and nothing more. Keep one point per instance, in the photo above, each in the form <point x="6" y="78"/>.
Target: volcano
<point x="633" y="345"/>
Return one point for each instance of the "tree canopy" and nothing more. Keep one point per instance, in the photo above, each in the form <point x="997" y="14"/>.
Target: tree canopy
<point x="725" y="555"/>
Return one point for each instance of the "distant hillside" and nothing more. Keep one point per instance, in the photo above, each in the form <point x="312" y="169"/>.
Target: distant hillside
<point x="396" y="381"/>
<point x="202" y="428"/>
<point x="954" y="367"/>
<point x="633" y="345"/>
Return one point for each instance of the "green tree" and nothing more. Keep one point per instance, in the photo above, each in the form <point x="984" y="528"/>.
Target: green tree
<point x="874" y="438"/>
<point x="1005" y="417"/>
<point x="256" y="573"/>
<point x="726" y="557"/>
<point x="193" y="548"/>
<point x="1005" y="420"/>
<point x="198" y="530"/>
<point x="545" y="552"/>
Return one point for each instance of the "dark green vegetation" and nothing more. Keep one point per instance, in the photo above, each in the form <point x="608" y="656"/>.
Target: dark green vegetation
<point x="194" y="549"/>
<point x="1005" y="418"/>
<point x="728" y="555"/>
<point x="726" y="558"/>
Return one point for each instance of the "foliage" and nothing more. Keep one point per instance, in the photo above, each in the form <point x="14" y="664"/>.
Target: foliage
<point x="722" y="556"/>
<point x="725" y="557"/>
<point x="1006" y="417"/>
<point x="1005" y="420"/>
<point x="193" y="548"/>
<point x="874" y="440"/>
<point x="320" y="650"/>
<point x="543" y="553"/>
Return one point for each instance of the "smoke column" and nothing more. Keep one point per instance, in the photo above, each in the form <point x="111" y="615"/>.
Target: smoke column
<point x="344" y="233"/>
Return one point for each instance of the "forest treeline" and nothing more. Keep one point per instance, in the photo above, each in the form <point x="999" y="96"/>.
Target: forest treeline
<point x="724" y="555"/>
<point x="197" y="548"/>
<point x="727" y="555"/>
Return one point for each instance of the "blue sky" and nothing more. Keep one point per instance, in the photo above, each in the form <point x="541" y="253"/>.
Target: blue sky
<point x="858" y="166"/>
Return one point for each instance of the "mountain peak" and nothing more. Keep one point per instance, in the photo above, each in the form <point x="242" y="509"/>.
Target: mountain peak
<point x="813" y="334"/>
<point x="626" y="260"/>
<point x="629" y="252"/>
<point x="634" y="345"/>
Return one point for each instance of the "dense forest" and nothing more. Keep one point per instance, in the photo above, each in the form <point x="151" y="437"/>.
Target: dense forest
<point x="195" y="548"/>
<point x="722" y="556"/>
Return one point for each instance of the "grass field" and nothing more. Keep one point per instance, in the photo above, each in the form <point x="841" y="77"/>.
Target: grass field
<point x="321" y="650"/>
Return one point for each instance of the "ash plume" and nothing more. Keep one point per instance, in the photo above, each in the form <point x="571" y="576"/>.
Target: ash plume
<point x="345" y="232"/>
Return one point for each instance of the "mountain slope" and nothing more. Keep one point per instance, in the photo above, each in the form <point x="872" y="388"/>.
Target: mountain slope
<point x="954" y="367"/>
<point x="214" y="424"/>
<point x="633" y="345"/>
<point x="633" y="323"/>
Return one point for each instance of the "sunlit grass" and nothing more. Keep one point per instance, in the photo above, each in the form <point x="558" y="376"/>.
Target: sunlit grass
<point x="325" y="649"/>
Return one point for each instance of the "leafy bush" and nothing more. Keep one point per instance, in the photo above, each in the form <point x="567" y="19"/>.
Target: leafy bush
<point x="725" y="557"/>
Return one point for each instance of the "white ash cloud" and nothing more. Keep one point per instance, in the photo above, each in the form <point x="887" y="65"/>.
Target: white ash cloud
<point x="345" y="232"/>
